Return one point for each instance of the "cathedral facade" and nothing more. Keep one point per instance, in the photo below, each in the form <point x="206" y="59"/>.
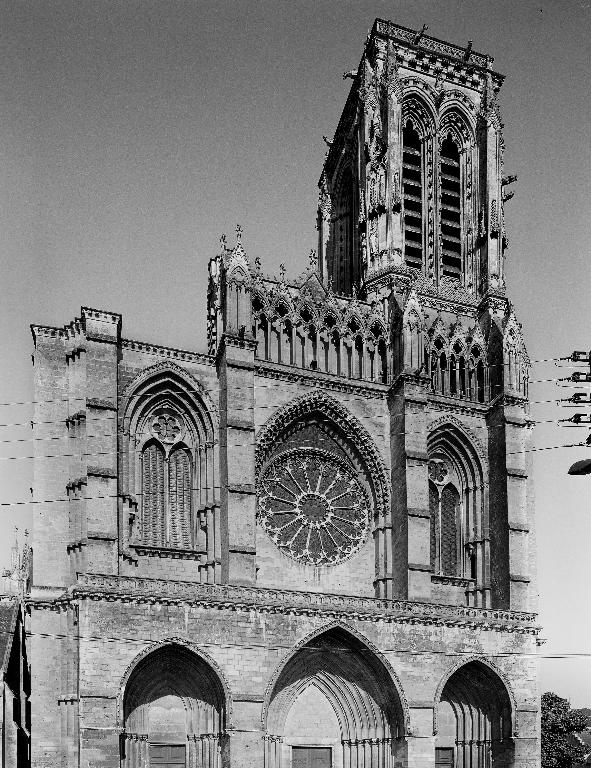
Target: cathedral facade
<point x="312" y="546"/>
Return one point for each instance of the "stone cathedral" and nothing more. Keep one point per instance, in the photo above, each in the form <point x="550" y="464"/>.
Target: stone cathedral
<point x="311" y="546"/>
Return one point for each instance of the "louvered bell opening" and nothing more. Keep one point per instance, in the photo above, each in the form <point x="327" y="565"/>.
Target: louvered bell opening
<point x="451" y="210"/>
<point x="412" y="192"/>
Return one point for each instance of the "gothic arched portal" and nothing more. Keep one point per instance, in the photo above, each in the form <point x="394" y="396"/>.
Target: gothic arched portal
<point x="474" y="720"/>
<point x="333" y="704"/>
<point x="174" y="712"/>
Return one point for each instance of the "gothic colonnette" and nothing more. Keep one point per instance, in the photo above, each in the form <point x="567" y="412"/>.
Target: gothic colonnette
<point x="312" y="546"/>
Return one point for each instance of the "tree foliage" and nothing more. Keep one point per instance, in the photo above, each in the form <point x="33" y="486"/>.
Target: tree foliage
<point x="559" y="723"/>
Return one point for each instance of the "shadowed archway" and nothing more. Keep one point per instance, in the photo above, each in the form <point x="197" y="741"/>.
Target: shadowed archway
<point x="336" y="701"/>
<point x="474" y="719"/>
<point x="174" y="711"/>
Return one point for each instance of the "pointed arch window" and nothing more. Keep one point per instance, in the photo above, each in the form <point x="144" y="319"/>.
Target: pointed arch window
<point x="166" y="492"/>
<point x="179" y="498"/>
<point x="451" y="208"/>
<point x="446" y="523"/>
<point x="412" y="195"/>
<point x="450" y="505"/>
<point x="153" y="496"/>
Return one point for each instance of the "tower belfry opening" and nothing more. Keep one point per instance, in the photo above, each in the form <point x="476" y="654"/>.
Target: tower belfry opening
<point x="412" y="185"/>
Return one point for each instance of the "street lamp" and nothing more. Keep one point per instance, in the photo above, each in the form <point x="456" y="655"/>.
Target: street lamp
<point x="582" y="467"/>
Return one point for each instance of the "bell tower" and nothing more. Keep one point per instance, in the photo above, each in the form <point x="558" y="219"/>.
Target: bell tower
<point x="411" y="220"/>
<point x="413" y="181"/>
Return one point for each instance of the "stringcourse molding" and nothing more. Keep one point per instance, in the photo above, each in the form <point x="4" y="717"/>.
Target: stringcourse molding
<point x="135" y="589"/>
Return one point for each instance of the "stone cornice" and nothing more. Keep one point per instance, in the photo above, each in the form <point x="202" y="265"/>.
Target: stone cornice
<point x="409" y="38"/>
<point x="132" y="589"/>
<point x="320" y="379"/>
<point x="457" y="405"/>
<point x="100" y="314"/>
<point x="169" y="352"/>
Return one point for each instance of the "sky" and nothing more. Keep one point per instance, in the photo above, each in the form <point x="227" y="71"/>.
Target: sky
<point x="133" y="134"/>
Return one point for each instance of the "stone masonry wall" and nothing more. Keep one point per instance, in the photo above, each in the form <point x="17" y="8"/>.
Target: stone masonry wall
<point x="249" y="646"/>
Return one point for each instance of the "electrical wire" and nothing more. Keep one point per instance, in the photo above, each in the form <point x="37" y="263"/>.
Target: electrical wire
<point x="355" y="381"/>
<point x="31" y="422"/>
<point x="126" y="434"/>
<point x="251" y="646"/>
<point x="196" y="490"/>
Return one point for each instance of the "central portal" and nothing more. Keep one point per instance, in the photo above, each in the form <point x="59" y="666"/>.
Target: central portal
<point x="311" y="757"/>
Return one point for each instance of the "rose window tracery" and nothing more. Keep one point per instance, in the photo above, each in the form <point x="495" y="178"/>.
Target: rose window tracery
<point x="313" y="506"/>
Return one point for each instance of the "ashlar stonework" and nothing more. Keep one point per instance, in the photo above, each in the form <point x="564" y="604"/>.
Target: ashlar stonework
<point x="313" y="546"/>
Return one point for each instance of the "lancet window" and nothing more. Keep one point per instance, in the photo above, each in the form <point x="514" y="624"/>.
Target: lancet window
<point x="412" y="195"/>
<point x="342" y="233"/>
<point x="459" y="543"/>
<point x="446" y="522"/>
<point x="166" y="472"/>
<point x="451" y="208"/>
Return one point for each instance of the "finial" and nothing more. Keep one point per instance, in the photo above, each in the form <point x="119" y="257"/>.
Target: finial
<point x="420" y="34"/>
<point x="313" y="259"/>
<point x="354" y="291"/>
<point x="257" y="264"/>
<point x="282" y="272"/>
<point x="223" y="241"/>
<point x="238" y="232"/>
<point x="468" y="50"/>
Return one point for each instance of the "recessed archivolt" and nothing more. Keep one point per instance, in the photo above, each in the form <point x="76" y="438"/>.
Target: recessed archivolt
<point x="420" y="112"/>
<point x="455" y="121"/>
<point x="493" y="669"/>
<point x="174" y="643"/>
<point x="347" y="425"/>
<point x="450" y="421"/>
<point x="342" y="693"/>
<point x="167" y="381"/>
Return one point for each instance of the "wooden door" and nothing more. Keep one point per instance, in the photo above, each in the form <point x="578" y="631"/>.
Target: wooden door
<point x="444" y="757"/>
<point x="311" y="757"/>
<point x="167" y="755"/>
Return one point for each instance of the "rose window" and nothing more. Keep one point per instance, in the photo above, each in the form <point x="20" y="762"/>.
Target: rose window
<point x="313" y="507"/>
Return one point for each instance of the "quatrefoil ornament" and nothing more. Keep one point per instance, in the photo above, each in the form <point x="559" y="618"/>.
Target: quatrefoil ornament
<point x="167" y="428"/>
<point x="438" y="470"/>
